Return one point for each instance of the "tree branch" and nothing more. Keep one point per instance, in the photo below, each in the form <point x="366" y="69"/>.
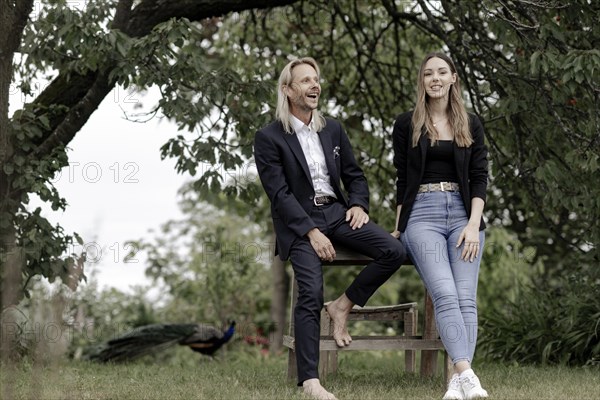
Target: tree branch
<point x="69" y="89"/>
<point x="150" y="13"/>
<point x="76" y="117"/>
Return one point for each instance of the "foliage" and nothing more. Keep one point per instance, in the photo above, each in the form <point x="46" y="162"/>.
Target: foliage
<point x="210" y="266"/>
<point x="84" y="51"/>
<point x="34" y="327"/>
<point x="55" y="321"/>
<point x="540" y="97"/>
<point x="506" y="266"/>
<point x="528" y="70"/>
<point x="555" y="326"/>
<point x="58" y="38"/>
<point x="99" y="314"/>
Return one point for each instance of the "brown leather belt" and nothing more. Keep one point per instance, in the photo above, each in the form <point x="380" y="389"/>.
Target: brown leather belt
<point x="439" y="187"/>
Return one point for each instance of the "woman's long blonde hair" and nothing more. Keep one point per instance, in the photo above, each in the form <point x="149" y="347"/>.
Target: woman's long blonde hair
<point x="283" y="105"/>
<point x="457" y="114"/>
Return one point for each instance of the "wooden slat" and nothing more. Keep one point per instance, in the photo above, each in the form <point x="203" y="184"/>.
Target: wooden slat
<point x="375" y="343"/>
<point x="377" y="309"/>
<point x="379" y="313"/>
<point x="383" y="343"/>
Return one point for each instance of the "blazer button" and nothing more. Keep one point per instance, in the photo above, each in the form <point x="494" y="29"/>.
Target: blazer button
<point x="311" y="197"/>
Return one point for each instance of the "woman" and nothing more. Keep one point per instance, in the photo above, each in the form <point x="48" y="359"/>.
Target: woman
<point x="441" y="163"/>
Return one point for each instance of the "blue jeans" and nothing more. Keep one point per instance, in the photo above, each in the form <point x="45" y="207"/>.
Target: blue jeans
<point x="434" y="226"/>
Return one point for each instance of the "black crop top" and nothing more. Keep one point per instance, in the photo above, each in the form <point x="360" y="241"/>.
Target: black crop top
<point x="439" y="164"/>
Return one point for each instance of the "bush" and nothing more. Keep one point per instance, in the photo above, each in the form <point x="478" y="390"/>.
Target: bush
<point x="559" y="325"/>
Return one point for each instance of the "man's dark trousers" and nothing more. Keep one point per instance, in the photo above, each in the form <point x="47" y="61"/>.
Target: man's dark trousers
<point x="388" y="255"/>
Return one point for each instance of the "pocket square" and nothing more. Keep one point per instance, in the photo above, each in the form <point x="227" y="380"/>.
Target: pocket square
<point x="336" y="151"/>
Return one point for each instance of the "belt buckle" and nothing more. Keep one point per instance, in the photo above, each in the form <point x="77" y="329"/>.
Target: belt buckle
<point x="442" y="186"/>
<point x="315" y="201"/>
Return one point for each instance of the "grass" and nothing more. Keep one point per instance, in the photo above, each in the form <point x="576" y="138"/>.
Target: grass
<point x="245" y="375"/>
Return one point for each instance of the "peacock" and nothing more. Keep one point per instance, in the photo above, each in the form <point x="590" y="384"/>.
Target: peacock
<point x="147" y="339"/>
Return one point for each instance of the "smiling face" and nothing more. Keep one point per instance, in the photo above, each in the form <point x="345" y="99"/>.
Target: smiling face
<point x="437" y="78"/>
<point x="304" y="91"/>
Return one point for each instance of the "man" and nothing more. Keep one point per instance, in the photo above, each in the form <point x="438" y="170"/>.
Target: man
<point x="301" y="159"/>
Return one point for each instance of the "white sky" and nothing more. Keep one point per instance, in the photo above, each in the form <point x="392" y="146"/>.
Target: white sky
<point x="116" y="186"/>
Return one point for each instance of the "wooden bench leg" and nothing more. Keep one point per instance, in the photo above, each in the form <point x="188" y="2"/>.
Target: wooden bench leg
<point x="324" y="356"/>
<point x="328" y="361"/>
<point x="410" y="329"/>
<point x="429" y="357"/>
<point x="292" y="371"/>
<point x="449" y="370"/>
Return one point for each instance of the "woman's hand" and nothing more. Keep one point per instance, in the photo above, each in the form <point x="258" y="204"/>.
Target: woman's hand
<point x="396" y="234"/>
<point x="470" y="237"/>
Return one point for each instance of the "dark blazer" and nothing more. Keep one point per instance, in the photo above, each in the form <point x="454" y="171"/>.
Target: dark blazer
<point x="284" y="174"/>
<point x="471" y="166"/>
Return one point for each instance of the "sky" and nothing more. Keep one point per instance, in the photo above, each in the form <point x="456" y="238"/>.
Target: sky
<point x="116" y="186"/>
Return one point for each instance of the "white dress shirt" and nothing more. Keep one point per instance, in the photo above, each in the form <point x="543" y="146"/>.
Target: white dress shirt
<point x="315" y="158"/>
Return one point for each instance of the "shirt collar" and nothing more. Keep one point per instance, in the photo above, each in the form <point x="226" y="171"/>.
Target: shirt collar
<point x="299" y="125"/>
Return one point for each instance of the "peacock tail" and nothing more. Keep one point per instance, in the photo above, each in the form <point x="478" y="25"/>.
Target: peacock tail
<point x="149" y="339"/>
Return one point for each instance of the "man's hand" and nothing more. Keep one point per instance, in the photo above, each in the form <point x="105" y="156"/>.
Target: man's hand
<point x="357" y="217"/>
<point x="321" y="244"/>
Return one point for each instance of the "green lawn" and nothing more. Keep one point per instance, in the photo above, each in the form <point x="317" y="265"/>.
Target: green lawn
<point x="244" y="375"/>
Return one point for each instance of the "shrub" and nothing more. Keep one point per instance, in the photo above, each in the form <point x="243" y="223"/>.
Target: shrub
<point x="559" y="325"/>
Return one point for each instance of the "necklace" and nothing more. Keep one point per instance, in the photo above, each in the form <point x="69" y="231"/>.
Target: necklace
<point x="438" y="121"/>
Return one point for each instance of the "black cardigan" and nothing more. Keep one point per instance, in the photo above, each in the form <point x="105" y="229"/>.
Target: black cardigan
<point x="471" y="166"/>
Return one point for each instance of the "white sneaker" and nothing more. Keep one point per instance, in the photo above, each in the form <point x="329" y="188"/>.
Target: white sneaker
<point x="454" y="391"/>
<point x="471" y="387"/>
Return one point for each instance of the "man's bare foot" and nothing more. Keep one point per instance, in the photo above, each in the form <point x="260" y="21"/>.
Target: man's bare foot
<point x="338" y="310"/>
<point x="313" y="388"/>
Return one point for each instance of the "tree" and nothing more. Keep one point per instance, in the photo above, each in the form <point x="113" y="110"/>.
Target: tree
<point x="85" y="53"/>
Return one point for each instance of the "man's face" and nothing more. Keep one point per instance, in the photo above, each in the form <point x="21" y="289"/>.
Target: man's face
<point x="304" y="91"/>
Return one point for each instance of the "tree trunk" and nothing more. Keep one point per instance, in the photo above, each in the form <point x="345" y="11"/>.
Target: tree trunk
<point x="12" y="21"/>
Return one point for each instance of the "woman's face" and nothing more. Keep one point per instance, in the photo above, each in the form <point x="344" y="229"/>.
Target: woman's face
<point x="437" y="78"/>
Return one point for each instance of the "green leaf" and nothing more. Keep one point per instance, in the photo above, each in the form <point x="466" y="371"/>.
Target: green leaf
<point x="9" y="169"/>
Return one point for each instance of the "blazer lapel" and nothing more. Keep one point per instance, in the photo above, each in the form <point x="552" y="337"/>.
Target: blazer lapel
<point x="294" y="144"/>
<point x="327" y="146"/>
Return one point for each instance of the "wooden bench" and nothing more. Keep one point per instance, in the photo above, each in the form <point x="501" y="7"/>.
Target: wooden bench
<point x="428" y="342"/>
